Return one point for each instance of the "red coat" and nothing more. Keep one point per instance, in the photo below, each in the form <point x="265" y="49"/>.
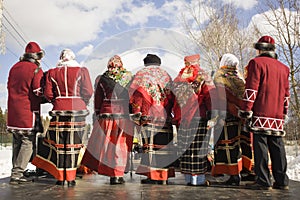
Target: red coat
<point x="24" y="90"/>
<point x="267" y="93"/>
<point x="68" y="88"/>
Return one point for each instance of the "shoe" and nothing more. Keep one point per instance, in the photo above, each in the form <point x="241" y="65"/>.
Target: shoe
<point x="256" y="186"/>
<point x="205" y="184"/>
<point x="116" y="180"/>
<point x="60" y="183"/>
<point x="233" y="180"/>
<point x="20" y="180"/>
<point x="249" y="177"/>
<point x="71" y="183"/>
<point x="27" y="173"/>
<point x="150" y="181"/>
<point x="280" y="187"/>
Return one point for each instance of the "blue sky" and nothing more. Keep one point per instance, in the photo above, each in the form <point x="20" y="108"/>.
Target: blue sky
<point x="97" y="29"/>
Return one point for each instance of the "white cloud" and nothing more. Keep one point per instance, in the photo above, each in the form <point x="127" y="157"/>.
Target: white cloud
<point x="263" y="25"/>
<point x="87" y="50"/>
<point x="62" y="22"/>
<point x="138" y="15"/>
<point x="246" y="5"/>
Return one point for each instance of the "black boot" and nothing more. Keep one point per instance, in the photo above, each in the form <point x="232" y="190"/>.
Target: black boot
<point x="60" y="182"/>
<point x="234" y="180"/>
<point x="71" y="183"/>
<point x="116" y="180"/>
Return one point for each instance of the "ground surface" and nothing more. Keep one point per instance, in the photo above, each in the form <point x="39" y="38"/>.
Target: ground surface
<point x="94" y="187"/>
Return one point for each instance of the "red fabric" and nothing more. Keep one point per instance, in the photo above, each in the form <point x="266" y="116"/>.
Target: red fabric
<point x="109" y="147"/>
<point x="266" y="39"/>
<point x="158" y="174"/>
<point x="232" y="169"/>
<point x="147" y="87"/>
<point x="23" y="80"/>
<point x="32" y="47"/>
<point x="267" y="92"/>
<point x="57" y="173"/>
<point x="192" y="58"/>
<point x="68" y="93"/>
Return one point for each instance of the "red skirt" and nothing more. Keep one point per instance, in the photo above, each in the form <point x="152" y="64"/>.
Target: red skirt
<point x="109" y="146"/>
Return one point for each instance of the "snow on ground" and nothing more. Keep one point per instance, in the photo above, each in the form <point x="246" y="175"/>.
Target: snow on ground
<point x="293" y="159"/>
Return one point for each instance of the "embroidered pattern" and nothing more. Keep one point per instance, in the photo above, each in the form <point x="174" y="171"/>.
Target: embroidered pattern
<point x="286" y="102"/>
<point x="268" y="123"/>
<point x="250" y="95"/>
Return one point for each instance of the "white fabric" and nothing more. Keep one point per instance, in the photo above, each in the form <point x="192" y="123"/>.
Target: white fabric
<point x="229" y="60"/>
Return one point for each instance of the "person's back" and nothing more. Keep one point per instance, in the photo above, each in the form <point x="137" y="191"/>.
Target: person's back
<point x="24" y="99"/>
<point x="269" y="88"/>
<point x="68" y="86"/>
<point x="265" y="105"/>
<point x="273" y="75"/>
<point x="21" y="98"/>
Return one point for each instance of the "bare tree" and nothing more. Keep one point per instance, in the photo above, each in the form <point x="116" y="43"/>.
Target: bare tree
<point x="284" y="17"/>
<point x="220" y="32"/>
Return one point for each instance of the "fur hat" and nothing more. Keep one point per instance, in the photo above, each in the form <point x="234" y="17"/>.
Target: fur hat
<point x="33" y="50"/>
<point x="152" y="59"/>
<point x="192" y="59"/>
<point x="265" y="43"/>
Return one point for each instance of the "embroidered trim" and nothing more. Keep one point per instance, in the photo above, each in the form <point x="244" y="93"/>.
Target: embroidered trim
<point x="286" y="102"/>
<point x="250" y="95"/>
<point x="268" y="123"/>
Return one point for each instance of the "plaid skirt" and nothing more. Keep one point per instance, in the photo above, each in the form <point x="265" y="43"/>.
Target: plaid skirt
<point x="58" y="151"/>
<point x="193" y="143"/>
<point x="158" y="151"/>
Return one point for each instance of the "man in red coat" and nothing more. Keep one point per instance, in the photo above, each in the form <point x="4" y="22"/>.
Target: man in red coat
<point x="24" y="98"/>
<point x="265" y="105"/>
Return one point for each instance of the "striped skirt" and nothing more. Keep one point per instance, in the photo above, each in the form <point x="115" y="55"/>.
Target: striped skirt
<point x="193" y="143"/>
<point x="58" y="151"/>
<point x="227" y="150"/>
<point x="158" y="151"/>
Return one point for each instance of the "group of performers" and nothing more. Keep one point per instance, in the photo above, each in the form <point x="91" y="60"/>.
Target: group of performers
<point x="194" y="103"/>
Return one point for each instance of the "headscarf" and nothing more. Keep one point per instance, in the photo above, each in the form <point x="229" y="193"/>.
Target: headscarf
<point x="228" y="75"/>
<point x="67" y="58"/>
<point x="117" y="72"/>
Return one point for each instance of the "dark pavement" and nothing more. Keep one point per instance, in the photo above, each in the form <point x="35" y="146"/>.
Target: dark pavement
<point x="94" y="187"/>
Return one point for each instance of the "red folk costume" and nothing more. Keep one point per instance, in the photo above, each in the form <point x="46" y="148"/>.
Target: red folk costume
<point x="24" y="99"/>
<point x="232" y="151"/>
<point x="265" y="104"/>
<point x="152" y="98"/>
<point x="190" y="108"/>
<point x="110" y="143"/>
<point x="24" y="90"/>
<point x="69" y="88"/>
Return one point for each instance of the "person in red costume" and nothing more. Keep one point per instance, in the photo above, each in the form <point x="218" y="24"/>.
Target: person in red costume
<point x="190" y="109"/>
<point x="265" y="106"/>
<point x="110" y="143"/>
<point x="24" y="99"/>
<point x="68" y="87"/>
<point x="152" y="97"/>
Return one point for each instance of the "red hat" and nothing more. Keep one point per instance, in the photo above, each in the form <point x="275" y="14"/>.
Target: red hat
<point x="34" y="50"/>
<point x="32" y="47"/>
<point x="192" y="59"/>
<point x="266" y="43"/>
